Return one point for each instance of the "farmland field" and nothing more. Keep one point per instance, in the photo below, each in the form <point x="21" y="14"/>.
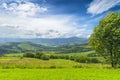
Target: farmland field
<point x="60" y="74"/>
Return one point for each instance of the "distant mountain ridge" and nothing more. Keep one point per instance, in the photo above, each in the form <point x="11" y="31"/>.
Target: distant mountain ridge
<point x="46" y="40"/>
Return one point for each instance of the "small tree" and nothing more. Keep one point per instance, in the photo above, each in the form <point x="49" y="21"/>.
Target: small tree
<point x="106" y="38"/>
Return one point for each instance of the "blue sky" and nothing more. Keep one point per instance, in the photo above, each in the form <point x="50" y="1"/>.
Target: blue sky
<point x="52" y="18"/>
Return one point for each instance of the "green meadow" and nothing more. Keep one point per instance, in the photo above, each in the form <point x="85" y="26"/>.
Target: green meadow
<point x="60" y="74"/>
<point x="59" y="39"/>
<point x="31" y="63"/>
<point x="17" y="68"/>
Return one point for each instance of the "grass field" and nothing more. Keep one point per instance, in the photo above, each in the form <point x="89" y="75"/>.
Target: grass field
<point x="15" y="67"/>
<point x="31" y="63"/>
<point x="60" y="74"/>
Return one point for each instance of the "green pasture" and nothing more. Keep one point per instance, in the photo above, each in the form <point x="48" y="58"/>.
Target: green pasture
<point x="60" y="74"/>
<point x="31" y="63"/>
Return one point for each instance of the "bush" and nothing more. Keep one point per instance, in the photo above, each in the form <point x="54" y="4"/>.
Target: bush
<point x="31" y="55"/>
<point x="92" y="55"/>
<point x="72" y="58"/>
<point x="38" y="55"/>
<point x="82" y="59"/>
<point x="53" y="57"/>
<point x="67" y="57"/>
<point x="59" y="57"/>
<point x="95" y="60"/>
<point x="45" y="57"/>
<point x="87" y="60"/>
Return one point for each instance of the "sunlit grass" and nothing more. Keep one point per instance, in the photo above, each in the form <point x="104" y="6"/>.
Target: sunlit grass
<point x="60" y="74"/>
<point x="7" y="62"/>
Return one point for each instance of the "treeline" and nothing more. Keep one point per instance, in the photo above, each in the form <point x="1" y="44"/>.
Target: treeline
<point x="36" y="55"/>
<point x="81" y="59"/>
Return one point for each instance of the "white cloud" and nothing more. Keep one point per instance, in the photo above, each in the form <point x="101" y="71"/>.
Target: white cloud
<point x="46" y="27"/>
<point x="100" y="6"/>
<point x="22" y="20"/>
<point x="24" y="9"/>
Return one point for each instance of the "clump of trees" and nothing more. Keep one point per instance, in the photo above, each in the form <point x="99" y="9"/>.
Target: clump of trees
<point x="81" y="59"/>
<point x="37" y="55"/>
<point x="30" y="55"/>
<point x="106" y="38"/>
<point x="84" y="59"/>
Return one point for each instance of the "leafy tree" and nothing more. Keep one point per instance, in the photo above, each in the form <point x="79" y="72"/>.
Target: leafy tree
<point x="106" y="38"/>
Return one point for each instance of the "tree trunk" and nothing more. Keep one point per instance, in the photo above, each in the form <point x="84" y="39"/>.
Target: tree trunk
<point x="112" y="61"/>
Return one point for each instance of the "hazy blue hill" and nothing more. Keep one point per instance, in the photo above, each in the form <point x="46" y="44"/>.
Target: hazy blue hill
<point x="53" y="41"/>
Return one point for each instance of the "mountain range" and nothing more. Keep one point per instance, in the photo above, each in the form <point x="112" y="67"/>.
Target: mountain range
<point x="51" y="41"/>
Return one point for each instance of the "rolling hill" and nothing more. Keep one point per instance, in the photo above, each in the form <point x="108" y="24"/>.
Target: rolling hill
<point x="18" y="47"/>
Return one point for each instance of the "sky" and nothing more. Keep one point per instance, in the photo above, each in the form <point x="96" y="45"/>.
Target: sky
<point x="52" y="18"/>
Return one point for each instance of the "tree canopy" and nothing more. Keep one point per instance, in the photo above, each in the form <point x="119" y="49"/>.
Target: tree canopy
<point x="106" y="38"/>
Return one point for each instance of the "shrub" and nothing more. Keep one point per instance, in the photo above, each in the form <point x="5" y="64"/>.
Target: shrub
<point x="95" y="60"/>
<point x="45" y="57"/>
<point x="52" y="67"/>
<point x="67" y="57"/>
<point x="86" y="60"/>
<point x="72" y="58"/>
<point x="82" y="59"/>
<point x="38" y="55"/>
<point x="92" y="55"/>
<point x="53" y="57"/>
<point x="31" y="55"/>
<point x="59" y="57"/>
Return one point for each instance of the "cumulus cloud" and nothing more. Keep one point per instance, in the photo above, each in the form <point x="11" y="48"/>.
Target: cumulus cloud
<point x="23" y="9"/>
<point x="46" y="27"/>
<point x="100" y="6"/>
<point x="22" y="19"/>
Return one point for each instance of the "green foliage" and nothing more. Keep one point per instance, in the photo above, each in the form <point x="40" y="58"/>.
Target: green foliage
<point x="106" y="38"/>
<point x="45" y="57"/>
<point x="59" y="56"/>
<point x="95" y="60"/>
<point x="80" y="59"/>
<point x="84" y="59"/>
<point x="38" y="55"/>
<point x="30" y="55"/>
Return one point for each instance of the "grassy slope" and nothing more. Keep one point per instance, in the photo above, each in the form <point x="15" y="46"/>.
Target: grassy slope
<point x="31" y="63"/>
<point x="32" y="69"/>
<point x="60" y="74"/>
